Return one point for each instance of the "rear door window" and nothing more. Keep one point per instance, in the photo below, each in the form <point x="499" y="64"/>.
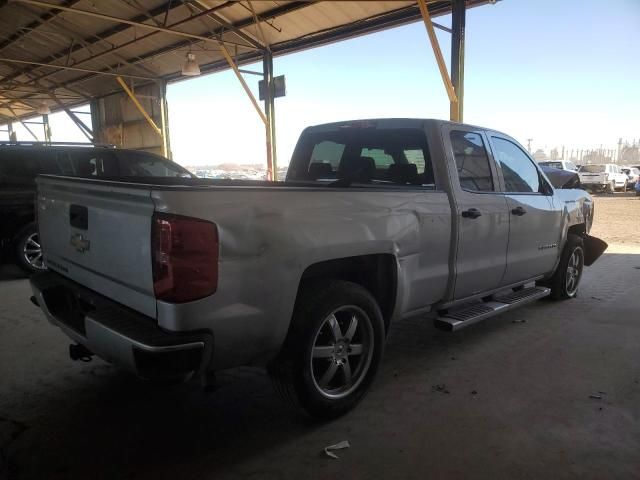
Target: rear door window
<point x="472" y="161"/>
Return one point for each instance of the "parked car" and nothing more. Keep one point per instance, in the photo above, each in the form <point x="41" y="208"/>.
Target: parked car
<point x="377" y="220"/>
<point x="20" y="163"/>
<point x="633" y="175"/>
<point x="560" y="165"/>
<point x="603" y="177"/>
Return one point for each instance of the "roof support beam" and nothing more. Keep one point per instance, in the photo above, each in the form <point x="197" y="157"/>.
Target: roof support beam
<point x="79" y="123"/>
<point x="233" y="65"/>
<point x="75" y="69"/>
<point x="23" y="124"/>
<point x="135" y="61"/>
<point x="255" y="55"/>
<point x="109" y="18"/>
<point x="247" y="37"/>
<point x="104" y="34"/>
<point x="442" y="66"/>
<point x="46" y="18"/>
<point x="139" y="106"/>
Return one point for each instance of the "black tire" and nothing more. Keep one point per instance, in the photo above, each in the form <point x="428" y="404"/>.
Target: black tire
<point x="300" y="376"/>
<point x="561" y="287"/>
<point x="28" y="250"/>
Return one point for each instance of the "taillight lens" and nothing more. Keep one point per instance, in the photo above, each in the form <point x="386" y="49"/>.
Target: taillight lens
<point x="185" y="258"/>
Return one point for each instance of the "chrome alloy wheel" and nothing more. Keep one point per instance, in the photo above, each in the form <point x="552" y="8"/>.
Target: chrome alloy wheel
<point x="342" y="351"/>
<point x="32" y="252"/>
<point x="574" y="272"/>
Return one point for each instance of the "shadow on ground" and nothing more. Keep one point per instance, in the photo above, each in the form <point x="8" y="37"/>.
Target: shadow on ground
<point x="548" y="391"/>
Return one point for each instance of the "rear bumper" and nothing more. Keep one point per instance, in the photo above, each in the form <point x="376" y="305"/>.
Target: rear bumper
<point x="119" y="335"/>
<point x="599" y="184"/>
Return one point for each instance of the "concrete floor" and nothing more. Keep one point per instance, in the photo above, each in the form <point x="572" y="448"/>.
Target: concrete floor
<point x="516" y="401"/>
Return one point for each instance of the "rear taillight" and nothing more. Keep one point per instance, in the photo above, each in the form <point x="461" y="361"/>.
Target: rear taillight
<point x="185" y="258"/>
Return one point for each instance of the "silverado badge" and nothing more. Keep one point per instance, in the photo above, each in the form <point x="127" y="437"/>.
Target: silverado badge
<point x="80" y="243"/>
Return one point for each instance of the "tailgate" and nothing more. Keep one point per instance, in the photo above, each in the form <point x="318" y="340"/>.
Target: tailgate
<point x="98" y="234"/>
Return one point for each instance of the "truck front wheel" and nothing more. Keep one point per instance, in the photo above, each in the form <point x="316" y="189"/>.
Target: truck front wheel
<point x="565" y="280"/>
<point x="333" y="349"/>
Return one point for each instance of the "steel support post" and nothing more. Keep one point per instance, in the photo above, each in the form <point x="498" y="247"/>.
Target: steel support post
<point x="164" y="118"/>
<point x="12" y="134"/>
<point x="458" y="20"/>
<point x="269" y="108"/>
<point x="47" y="129"/>
<point x="96" y="121"/>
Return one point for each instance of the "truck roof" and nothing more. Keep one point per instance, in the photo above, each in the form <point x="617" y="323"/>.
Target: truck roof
<point x="389" y="123"/>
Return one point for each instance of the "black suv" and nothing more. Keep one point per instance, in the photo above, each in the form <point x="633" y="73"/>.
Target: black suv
<point x="20" y="164"/>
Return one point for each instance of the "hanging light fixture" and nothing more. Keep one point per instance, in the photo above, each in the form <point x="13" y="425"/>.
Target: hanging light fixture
<point x="43" y="109"/>
<point x="190" y="67"/>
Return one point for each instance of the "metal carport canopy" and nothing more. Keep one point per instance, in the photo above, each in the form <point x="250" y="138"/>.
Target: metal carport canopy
<point x="76" y="50"/>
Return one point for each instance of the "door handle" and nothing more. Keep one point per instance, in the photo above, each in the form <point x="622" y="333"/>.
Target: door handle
<point x="519" y="211"/>
<point x="471" y="213"/>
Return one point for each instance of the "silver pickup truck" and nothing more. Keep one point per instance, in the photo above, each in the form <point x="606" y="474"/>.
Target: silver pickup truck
<point x="377" y="220"/>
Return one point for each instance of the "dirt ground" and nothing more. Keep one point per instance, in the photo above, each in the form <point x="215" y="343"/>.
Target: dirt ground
<point x="617" y="220"/>
<point x="551" y="390"/>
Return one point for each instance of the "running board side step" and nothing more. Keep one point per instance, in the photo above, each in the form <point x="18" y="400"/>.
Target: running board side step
<point x="470" y="314"/>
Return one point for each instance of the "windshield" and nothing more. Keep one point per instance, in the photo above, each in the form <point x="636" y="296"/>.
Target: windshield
<point x="363" y="156"/>
<point x="593" y="168"/>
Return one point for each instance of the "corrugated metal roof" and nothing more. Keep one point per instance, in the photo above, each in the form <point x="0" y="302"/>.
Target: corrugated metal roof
<point x="57" y="38"/>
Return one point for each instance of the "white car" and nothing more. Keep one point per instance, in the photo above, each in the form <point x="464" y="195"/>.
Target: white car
<point x="604" y="177"/>
<point x="560" y="164"/>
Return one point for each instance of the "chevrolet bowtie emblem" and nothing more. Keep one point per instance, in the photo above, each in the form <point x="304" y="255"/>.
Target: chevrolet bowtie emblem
<point x="80" y="243"/>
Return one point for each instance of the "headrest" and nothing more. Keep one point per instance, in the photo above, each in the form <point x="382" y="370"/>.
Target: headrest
<point x="361" y="169"/>
<point x="319" y="170"/>
<point x="403" y="173"/>
<point x="86" y="168"/>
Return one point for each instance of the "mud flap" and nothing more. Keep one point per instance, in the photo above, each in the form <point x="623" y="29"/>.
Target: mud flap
<point x="594" y="247"/>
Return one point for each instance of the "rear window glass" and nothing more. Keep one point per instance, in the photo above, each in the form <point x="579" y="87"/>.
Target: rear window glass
<point x="91" y="162"/>
<point x="379" y="156"/>
<point x="552" y="164"/>
<point x="139" y="164"/>
<point x="593" y="168"/>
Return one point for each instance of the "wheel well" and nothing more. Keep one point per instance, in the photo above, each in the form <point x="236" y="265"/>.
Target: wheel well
<point x="377" y="273"/>
<point x="579" y="229"/>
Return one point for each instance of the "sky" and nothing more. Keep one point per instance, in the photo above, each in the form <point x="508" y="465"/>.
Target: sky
<point x="558" y="72"/>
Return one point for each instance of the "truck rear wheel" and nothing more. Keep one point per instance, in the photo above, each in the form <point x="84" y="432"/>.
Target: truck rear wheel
<point x="28" y="249"/>
<point x="333" y="349"/>
<point x="565" y="280"/>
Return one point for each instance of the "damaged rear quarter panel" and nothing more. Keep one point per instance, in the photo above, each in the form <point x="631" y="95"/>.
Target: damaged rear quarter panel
<point x="269" y="236"/>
